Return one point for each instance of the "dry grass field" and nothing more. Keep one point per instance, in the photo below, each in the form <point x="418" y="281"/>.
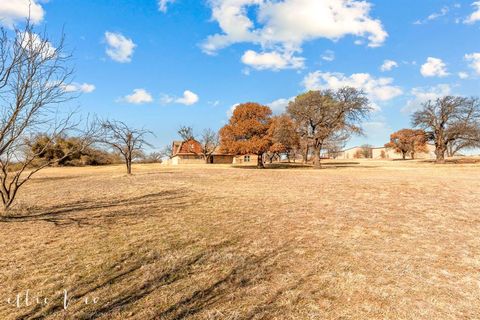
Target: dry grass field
<point x="368" y="240"/>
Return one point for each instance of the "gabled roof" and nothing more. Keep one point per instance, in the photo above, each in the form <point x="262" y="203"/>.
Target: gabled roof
<point x="188" y="147"/>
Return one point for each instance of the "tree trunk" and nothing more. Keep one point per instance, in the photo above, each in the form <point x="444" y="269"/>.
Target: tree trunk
<point x="412" y="154"/>
<point x="129" y="165"/>
<point x="305" y="156"/>
<point x="404" y="155"/>
<point x="318" y="158"/>
<point x="440" y="154"/>
<point x="260" y="164"/>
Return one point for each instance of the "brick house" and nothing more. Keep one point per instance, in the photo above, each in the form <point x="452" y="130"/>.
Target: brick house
<point x="190" y="152"/>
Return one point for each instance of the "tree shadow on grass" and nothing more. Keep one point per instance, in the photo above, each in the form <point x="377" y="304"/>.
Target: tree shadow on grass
<point x="73" y="213"/>
<point x="135" y="291"/>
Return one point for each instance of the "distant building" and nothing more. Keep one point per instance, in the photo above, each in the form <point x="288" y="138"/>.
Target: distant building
<point x="247" y="159"/>
<point x="384" y="153"/>
<point x="190" y="152"/>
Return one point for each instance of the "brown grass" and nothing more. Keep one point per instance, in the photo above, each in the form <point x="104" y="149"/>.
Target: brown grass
<point x="383" y="240"/>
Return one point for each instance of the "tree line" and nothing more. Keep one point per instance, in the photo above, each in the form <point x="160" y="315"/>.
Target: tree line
<point x="37" y="132"/>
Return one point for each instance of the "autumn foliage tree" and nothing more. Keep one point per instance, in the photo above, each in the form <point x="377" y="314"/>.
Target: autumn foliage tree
<point x="247" y="131"/>
<point x="284" y="136"/>
<point x="408" y="141"/>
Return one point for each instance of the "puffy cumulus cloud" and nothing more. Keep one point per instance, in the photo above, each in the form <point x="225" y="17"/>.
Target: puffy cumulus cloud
<point x="231" y="109"/>
<point x="475" y="16"/>
<point x="388" y="65"/>
<point x="139" y="96"/>
<point x="283" y="26"/>
<point x="463" y="75"/>
<point x="377" y="89"/>
<point x="420" y="95"/>
<point x="272" y="60"/>
<point x="280" y="105"/>
<point x="474" y="59"/>
<point x="32" y="41"/>
<point x="79" y="87"/>
<point x="119" y="47"/>
<point x="188" y="98"/>
<point x="13" y="11"/>
<point x="434" y="67"/>
<point x="163" y="5"/>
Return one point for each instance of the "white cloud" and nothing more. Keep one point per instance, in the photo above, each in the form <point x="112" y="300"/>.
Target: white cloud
<point x="474" y="58"/>
<point x="215" y="103"/>
<point x="463" y="75"/>
<point x="278" y="106"/>
<point x="328" y="55"/>
<point x="388" y="65"/>
<point x="79" y="87"/>
<point x="475" y="16"/>
<point x="420" y="95"/>
<point x="188" y="98"/>
<point x="434" y="67"/>
<point x="32" y="41"/>
<point x="271" y="60"/>
<point x="163" y="5"/>
<point x="13" y="11"/>
<point x="231" y="109"/>
<point x="139" y="96"/>
<point x="119" y="48"/>
<point x="434" y="16"/>
<point x="283" y="26"/>
<point x="377" y="89"/>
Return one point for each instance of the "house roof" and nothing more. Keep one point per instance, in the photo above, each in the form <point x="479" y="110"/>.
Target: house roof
<point x="218" y="152"/>
<point x="193" y="147"/>
<point x="187" y="147"/>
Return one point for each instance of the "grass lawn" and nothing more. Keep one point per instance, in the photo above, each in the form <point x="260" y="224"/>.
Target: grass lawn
<point x="360" y="240"/>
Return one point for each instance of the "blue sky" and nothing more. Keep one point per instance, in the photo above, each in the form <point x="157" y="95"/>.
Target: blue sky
<point x="162" y="64"/>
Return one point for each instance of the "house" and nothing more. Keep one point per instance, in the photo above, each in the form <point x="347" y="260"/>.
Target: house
<point x="351" y="153"/>
<point x="247" y="159"/>
<point x="190" y="152"/>
<point x="390" y="153"/>
<point x="384" y="153"/>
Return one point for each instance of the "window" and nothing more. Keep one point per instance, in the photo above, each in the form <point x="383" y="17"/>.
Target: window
<point x="246" y="158"/>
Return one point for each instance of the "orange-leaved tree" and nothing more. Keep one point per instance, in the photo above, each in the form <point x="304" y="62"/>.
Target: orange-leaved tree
<point x="247" y="131"/>
<point x="408" y="141"/>
<point x="284" y="135"/>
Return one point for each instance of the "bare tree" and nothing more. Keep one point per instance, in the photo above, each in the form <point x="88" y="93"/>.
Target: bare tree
<point x="152" y="157"/>
<point x="450" y="120"/>
<point x="186" y="133"/>
<point x="366" y="151"/>
<point x="128" y="141"/>
<point x="336" y="143"/>
<point x="34" y="76"/>
<point x="167" y="151"/>
<point x="321" y="114"/>
<point x="209" y="141"/>
<point x="454" y="147"/>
